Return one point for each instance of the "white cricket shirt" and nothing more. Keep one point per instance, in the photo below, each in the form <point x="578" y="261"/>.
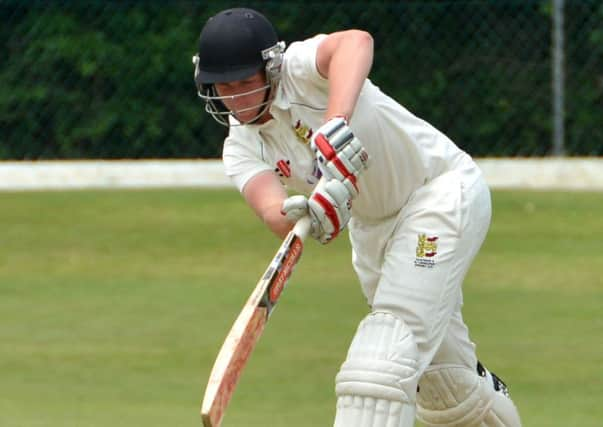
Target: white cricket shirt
<point x="405" y="151"/>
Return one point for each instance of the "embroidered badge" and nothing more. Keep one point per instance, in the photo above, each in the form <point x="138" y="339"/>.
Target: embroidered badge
<point x="283" y="168"/>
<point x="427" y="248"/>
<point x="303" y="132"/>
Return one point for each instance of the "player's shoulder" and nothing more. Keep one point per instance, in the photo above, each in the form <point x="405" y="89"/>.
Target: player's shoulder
<point x="240" y="139"/>
<point x="300" y="59"/>
<point x="308" y="43"/>
<point x="303" y="49"/>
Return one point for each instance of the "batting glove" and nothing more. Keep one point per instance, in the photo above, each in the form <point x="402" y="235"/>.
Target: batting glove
<point x="329" y="207"/>
<point x="340" y="154"/>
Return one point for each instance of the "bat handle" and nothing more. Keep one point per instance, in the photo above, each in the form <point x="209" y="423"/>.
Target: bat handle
<point x="302" y="227"/>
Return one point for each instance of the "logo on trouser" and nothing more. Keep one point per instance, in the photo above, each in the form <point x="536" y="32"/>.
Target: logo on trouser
<point x="427" y="248"/>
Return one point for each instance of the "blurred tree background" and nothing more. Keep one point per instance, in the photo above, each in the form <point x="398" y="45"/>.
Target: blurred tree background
<point x="113" y="79"/>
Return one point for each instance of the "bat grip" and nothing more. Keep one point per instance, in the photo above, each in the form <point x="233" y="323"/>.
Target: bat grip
<point x="302" y="227"/>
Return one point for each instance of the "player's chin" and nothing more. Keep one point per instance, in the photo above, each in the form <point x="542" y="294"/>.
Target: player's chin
<point x="247" y="116"/>
<point x="247" y="119"/>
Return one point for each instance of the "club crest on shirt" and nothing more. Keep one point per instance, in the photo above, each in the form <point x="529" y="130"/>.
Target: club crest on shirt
<point x="303" y="132"/>
<point x="283" y="168"/>
<point x="427" y="248"/>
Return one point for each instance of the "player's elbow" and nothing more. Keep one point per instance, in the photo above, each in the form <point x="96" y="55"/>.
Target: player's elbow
<point x="363" y="39"/>
<point x="362" y="43"/>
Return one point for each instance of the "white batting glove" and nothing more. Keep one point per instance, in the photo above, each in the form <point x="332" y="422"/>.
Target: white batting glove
<point x="295" y="207"/>
<point x="340" y="154"/>
<point x="329" y="208"/>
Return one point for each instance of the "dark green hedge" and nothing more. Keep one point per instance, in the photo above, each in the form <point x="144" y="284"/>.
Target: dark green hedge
<point x="113" y="79"/>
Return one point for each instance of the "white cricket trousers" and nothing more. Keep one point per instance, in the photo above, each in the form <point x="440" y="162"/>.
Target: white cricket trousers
<point x="414" y="264"/>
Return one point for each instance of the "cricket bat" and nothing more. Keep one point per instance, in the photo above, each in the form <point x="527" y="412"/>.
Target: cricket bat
<point x="248" y="327"/>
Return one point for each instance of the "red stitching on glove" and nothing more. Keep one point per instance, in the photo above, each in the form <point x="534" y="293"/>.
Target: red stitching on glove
<point x="327" y="150"/>
<point x="325" y="146"/>
<point x="344" y="171"/>
<point x="329" y="210"/>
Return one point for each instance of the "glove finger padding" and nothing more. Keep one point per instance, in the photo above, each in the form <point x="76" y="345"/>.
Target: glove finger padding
<point x="356" y="156"/>
<point x="329" y="206"/>
<point x="295" y="207"/>
<point x="339" y="153"/>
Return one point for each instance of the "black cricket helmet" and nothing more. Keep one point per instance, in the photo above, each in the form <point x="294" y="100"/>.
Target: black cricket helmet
<point x="234" y="45"/>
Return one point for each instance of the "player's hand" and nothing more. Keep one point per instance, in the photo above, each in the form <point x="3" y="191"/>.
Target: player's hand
<point x="328" y="206"/>
<point x="340" y="154"/>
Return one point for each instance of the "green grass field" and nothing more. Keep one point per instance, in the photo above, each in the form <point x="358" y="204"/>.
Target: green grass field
<point x="113" y="305"/>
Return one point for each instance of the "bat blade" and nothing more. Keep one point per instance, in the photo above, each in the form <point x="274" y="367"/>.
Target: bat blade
<point x="249" y="326"/>
<point x="230" y="362"/>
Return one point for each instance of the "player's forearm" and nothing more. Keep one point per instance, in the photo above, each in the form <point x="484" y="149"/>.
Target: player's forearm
<point x="348" y="68"/>
<point x="265" y="195"/>
<point x="276" y="221"/>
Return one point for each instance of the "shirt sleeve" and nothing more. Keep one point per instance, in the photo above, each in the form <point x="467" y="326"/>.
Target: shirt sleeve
<point x="242" y="160"/>
<point x="301" y="61"/>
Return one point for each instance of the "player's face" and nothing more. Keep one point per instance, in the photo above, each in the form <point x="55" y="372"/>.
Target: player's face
<point x="244" y="96"/>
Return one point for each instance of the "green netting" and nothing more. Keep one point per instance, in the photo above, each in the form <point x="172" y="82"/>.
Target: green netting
<point x="113" y="79"/>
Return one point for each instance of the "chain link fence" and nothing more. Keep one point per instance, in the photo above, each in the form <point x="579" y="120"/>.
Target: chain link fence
<point x="113" y="79"/>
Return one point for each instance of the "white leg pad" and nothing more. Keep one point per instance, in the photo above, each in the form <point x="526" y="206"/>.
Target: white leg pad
<point x="376" y="386"/>
<point x="456" y="396"/>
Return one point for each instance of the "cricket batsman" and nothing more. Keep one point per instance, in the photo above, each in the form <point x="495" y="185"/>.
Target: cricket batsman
<point x="307" y="118"/>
